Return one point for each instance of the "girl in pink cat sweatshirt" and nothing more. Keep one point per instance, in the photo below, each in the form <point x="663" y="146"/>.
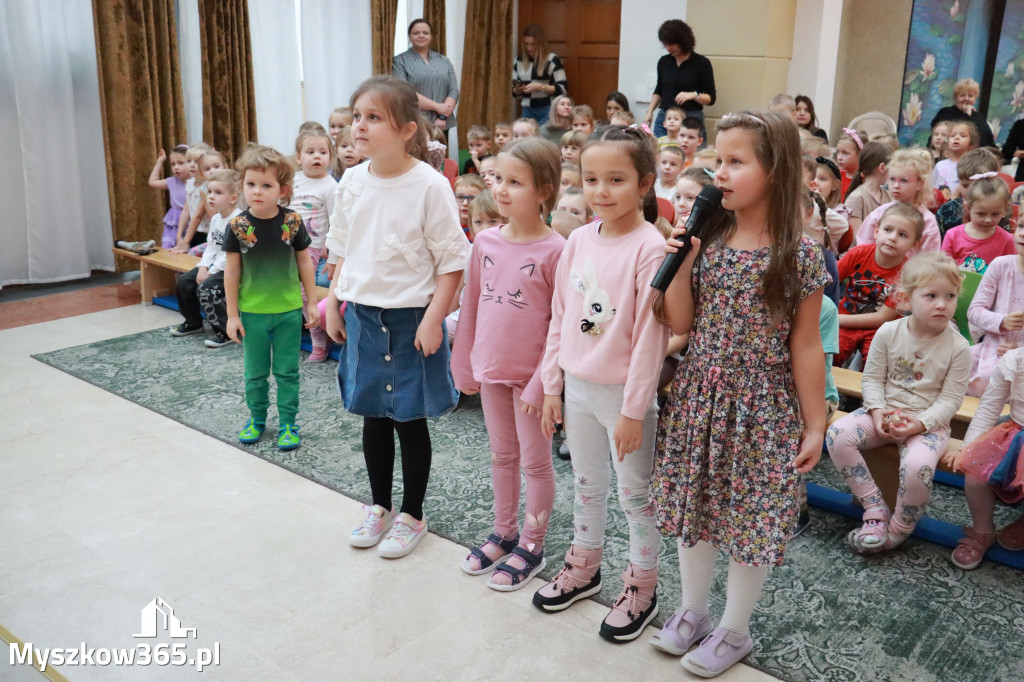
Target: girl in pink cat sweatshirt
<point x="506" y="308"/>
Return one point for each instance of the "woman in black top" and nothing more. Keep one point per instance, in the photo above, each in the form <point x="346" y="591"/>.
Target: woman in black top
<point x="965" y="92"/>
<point x="1014" y="148"/>
<point x="538" y="76"/>
<point x="684" y="77"/>
<point x="806" y="118"/>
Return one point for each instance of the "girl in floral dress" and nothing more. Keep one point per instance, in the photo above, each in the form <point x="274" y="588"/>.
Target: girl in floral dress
<point x="746" y="411"/>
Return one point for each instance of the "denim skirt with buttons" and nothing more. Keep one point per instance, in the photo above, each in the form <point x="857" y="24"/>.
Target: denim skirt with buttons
<point x="380" y="372"/>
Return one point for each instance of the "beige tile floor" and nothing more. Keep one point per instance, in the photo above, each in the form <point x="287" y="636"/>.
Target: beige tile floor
<point x="105" y="505"/>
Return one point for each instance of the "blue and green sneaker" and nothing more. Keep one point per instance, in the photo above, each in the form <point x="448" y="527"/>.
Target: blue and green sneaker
<point x="252" y="431"/>
<point x="288" y="437"/>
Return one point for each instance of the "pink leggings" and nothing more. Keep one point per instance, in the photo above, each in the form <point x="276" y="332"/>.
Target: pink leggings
<point x="918" y="456"/>
<point x="515" y="439"/>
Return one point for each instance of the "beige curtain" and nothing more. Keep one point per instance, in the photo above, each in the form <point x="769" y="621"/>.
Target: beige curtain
<point x="383" y="15"/>
<point x="486" y="93"/>
<point x="433" y="11"/>
<point x="142" y="107"/>
<point x="229" y="99"/>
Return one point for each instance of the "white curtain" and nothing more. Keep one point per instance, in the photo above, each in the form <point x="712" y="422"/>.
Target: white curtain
<point x="53" y="179"/>
<point x="336" y="53"/>
<point x="190" y="61"/>
<point x="276" y="74"/>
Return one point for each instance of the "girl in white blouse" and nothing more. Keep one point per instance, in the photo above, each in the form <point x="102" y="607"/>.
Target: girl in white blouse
<point x="401" y="252"/>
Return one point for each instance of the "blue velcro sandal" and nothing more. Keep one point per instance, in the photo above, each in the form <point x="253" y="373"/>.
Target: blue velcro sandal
<point x="534" y="564"/>
<point x="252" y="431"/>
<point x="486" y="563"/>
<point x="288" y="437"/>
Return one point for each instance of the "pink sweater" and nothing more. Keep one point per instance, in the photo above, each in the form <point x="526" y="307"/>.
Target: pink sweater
<point x="602" y="327"/>
<point x="506" y="309"/>
<point x="931" y="238"/>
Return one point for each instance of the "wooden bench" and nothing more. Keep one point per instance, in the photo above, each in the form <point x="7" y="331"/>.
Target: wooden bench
<point x="159" y="270"/>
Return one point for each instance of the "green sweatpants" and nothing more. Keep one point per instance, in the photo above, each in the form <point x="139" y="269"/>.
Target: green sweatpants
<point x="271" y="343"/>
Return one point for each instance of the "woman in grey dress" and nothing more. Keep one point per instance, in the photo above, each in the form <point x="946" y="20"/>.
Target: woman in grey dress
<point x="430" y="73"/>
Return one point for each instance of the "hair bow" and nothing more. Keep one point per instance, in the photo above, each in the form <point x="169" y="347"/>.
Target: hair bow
<point x="711" y="173"/>
<point x="643" y="127"/>
<point x="982" y="176"/>
<point x="856" y="138"/>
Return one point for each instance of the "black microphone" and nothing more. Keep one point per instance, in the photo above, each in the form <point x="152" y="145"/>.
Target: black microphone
<point x="707" y="201"/>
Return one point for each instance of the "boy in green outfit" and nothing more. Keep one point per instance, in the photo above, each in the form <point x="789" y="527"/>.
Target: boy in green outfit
<point x="265" y="267"/>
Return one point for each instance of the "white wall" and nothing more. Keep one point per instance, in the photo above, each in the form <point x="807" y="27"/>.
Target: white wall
<point x="639" y="49"/>
<point x="812" y="69"/>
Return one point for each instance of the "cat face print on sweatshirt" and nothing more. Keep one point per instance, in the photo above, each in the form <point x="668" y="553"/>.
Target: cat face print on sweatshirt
<point x="512" y="293"/>
<point x="597" y="304"/>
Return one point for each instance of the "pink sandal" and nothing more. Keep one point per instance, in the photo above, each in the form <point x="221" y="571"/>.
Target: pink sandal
<point x="873" y="535"/>
<point x="971" y="549"/>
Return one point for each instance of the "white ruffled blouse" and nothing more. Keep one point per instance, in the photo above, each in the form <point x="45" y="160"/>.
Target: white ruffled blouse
<point x="396" y="235"/>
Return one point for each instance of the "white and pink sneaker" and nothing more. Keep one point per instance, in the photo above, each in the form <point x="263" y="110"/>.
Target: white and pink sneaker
<point x="376" y="523"/>
<point x="405" y="534"/>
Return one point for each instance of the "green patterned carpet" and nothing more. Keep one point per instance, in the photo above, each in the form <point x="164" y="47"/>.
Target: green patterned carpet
<point x="828" y="614"/>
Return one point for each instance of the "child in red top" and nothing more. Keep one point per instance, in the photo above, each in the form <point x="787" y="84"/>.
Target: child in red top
<point x="868" y="273"/>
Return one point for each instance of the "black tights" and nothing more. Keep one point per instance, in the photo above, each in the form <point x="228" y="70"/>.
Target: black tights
<point x="379" y="453"/>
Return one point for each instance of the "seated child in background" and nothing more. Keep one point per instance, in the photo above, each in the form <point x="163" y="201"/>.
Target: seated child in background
<point x="346" y="155"/>
<point x="486" y="169"/>
<point x="502" y="135"/>
<point x="890" y="140"/>
<point x="583" y="119"/>
<point x="963" y="137"/>
<point x="524" y="127"/>
<point x="467" y="187"/>
<point x="688" y="187"/>
<point x="827" y="182"/>
<point x="814" y="214"/>
<point x="623" y="118"/>
<point x="980" y="240"/>
<point x="914" y="382"/>
<point x="997" y="311"/>
<point x="706" y="158"/>
<point x="940" y="135"/>
<point x="572" y="145"/>
<point x="572" y="176"/>
<point x="784" y="103"/>
<point x="868" y="275"/>
<point x="848" y="148"/>
<point x="483" y="215"/>
<point x="201" y="289"/>
<point x="478" y="139"/>
<point x="910" y="184"/>
<point x="814" y="147"/>
<point x="670" y="165"/>
<point x="175" y="186"/>
<point x="690" y="139"/>
<point x="867" y="190"/>
<point x="436" y="141"/>
<point x="210" y="162"/>
<point x="563" y="222"/>
<point x="673" y="123"/>
<point x="992" y="465"/>
<point x="974" y="163"/>
<point x="193" y="198"/>
<point x="340" y="118"/>
<point x="571" y="199"/>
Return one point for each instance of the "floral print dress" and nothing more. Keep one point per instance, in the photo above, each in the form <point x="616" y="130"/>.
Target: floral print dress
<point x="730" y="430"/>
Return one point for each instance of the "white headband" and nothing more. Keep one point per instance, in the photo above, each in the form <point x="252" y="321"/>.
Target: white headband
<point x="981" y="176"/>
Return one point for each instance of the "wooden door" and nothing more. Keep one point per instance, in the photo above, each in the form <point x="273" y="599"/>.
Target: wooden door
<point x="585" y="34"/>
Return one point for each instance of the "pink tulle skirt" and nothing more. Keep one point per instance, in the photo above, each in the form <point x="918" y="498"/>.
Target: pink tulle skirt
<point x="995" y="459"/>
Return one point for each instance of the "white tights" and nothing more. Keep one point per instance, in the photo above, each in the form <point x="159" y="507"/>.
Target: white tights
<point x="697" y="568"/>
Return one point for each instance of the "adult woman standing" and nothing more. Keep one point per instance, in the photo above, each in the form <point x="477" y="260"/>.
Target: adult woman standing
<point x="537" y="75"/>
<point x="965" y="92"/>
<point x="806" y="118"/>
<point x="430" y="73"/>
<point x="684" y="77"/>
